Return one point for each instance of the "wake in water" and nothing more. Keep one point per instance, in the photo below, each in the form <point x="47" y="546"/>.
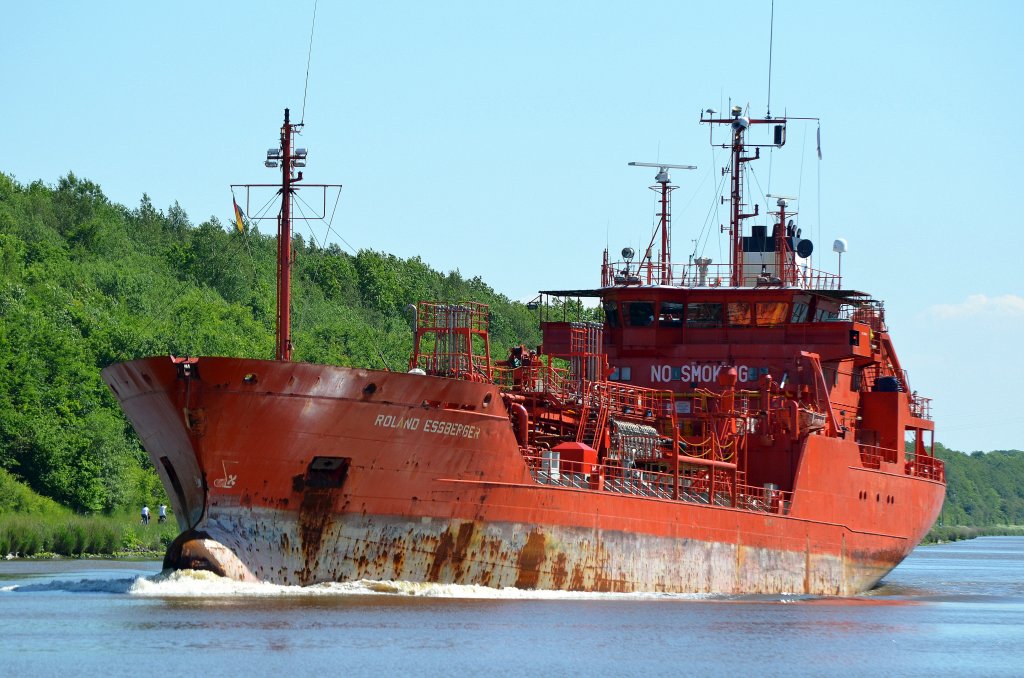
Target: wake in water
<point x="193" y="583"/>
<point x="203" y="584"/>
<point x="78" y="586"/>
<point x="207" y="585"/>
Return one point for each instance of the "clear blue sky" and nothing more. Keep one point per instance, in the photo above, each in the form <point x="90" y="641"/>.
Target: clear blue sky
<point x="493" y="138"/>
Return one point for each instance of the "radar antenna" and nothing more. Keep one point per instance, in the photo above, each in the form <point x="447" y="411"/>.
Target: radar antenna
<point x="785" y="265"/>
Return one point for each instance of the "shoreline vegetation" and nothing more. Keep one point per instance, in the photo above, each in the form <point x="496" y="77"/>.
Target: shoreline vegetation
<point x="85" y="283"/>
<point x="75" y="536"/>
<point x="942" y="534"/>
<point x="34" y="526"/>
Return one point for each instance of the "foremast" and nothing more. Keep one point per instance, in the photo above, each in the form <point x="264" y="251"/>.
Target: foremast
<point x="283" y="344"/>
<point x="288" y="158"/>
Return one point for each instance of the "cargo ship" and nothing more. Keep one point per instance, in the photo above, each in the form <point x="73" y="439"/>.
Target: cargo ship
<point x="736" y="427"/>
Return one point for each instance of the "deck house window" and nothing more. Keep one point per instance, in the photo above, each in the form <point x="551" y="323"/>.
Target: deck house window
<point x="825" y="314"/>
<point x="703" y="315"/>
<point x="772" y="313"/>
<point x="640" y="313"/>
<point x="611" y="313"/>
<point x="799" y="312"/>
<point x="739" y="314"/>
<point x="670" y="314"/>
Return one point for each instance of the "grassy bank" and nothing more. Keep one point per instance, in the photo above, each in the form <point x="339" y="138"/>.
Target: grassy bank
<point x="945" y="533"/>
<point x="76" y="536"/>
<point x="32" y="525"/>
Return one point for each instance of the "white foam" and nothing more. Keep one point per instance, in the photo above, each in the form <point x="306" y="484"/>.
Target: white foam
<point x="469" y="591"/>
<point x="203" y="584"/>
<point x="194" y="583"/>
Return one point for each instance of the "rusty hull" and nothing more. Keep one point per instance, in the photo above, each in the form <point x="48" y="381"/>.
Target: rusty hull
<point x="265" y="545"/>
<point x="436" y="490"/>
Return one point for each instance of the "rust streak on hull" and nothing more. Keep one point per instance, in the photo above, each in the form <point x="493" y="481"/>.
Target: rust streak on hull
<point x="507" y="555"/>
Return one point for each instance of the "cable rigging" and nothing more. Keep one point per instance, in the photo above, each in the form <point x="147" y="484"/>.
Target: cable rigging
<point x="309" y="58"/>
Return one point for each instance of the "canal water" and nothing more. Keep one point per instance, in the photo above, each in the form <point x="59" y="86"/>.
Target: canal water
<point x="953" y="609"/>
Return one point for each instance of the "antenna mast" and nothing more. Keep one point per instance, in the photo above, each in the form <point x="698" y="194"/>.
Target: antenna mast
<point x="288" y="158"/>
<point x="771" y="41"/>
<point x="664" y="189"/>
<point x="738" y="126"/>
<point x="283" y="349"/>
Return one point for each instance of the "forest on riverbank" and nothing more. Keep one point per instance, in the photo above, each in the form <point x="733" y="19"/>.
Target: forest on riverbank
<point x="984" y="494"/>
<point x="85" y="283"/>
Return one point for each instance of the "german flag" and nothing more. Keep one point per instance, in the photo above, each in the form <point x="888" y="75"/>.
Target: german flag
<point x="238" y="217"/>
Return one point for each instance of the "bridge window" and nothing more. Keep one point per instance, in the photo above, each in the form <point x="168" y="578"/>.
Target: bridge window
<point x="826" y="314"/>
<point x="611" y="313"/>
<point x="799" y="312"/>
<point x="640" y="313"/>
<point x="703" y="315"/>
<point x="739" y="314"/>
<point x="772" y="312"/>
<point x="670" y="314"/>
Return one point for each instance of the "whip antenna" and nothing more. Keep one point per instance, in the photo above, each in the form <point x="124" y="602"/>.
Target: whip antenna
<point x="771" y="36"/>
<point x="309" y="57"/>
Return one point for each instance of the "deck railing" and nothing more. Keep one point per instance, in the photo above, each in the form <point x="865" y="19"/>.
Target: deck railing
<point x="920" y="406"/>
<point x="615" y="479"/>
<point x="710" y="275"/>
<point x="537" y="378"/>
<point x="872" y="456"/>
<point x="920" y="466"/>
<point x="926" y="467"/>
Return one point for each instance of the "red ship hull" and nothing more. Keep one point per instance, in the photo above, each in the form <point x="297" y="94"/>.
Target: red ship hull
<point x="433" y="487"/>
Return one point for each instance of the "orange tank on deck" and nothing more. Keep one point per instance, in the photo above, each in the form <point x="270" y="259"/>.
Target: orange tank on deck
<point x="736" y="429"/>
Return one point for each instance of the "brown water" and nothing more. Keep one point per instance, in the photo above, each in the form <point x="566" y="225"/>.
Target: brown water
<point x="955" y="609"/>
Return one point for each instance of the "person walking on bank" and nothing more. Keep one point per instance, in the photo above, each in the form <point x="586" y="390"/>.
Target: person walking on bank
<point x="161" y="515"/>
<point x="145" y="514"/>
